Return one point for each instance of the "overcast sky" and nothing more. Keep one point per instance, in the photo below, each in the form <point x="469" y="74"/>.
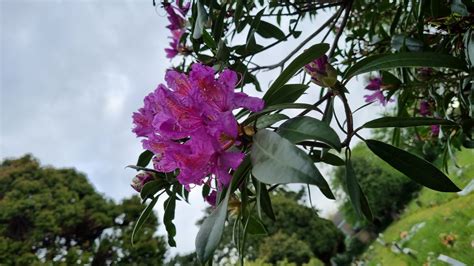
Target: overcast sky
<point x="72" y="73"/>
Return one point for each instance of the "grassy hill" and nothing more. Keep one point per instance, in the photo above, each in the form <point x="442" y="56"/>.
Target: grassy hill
<point x="435" y="223"/>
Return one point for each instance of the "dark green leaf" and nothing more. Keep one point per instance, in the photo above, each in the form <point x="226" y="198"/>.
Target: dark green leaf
<point x="307" y="128"/>
<point x="327" y="157"/>
<point x="211" y="230"/>
<point x="276" y="160"/>
<point x="412" y="166"/>
<point x="406" y="122"/>
<point x="265" y="202"/>
<point x="144" y="158"/>
<point x="276" y="107"/>
<point x="255" y="226"/>
<point x="268" y="30"/>
<point x="151" y="188"/>
<point x="268" y="120"/>
<point x="418" y="59"/>
<point x="299" y="62"/>
<point x="169" y="206"/>
<point x="356" y="195"/>
<point x="143" y="217"/>
<point x="288" y="93"/>
<point x="208" y="40"/>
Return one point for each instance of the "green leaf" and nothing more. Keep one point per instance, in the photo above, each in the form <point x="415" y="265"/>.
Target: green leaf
<point x="276" y="107"/>
<point x="418" y="59"/>
<point x="255" y="226"/>
<point x="200" y="20"/>
<point x="268" y="120"/>
<point x="406" y="122"/>
<point x="288" y="93"/>
<point x="327" y="157"/>
<point x="208" y="40"/>
<point x="151" y="188"/>
<point x="276" y="160"/>
<point x="169" y="206"/>
<point x="144" y="158"/>
<point x="358" y="199"/>
<point x="268" y="30"/>
<point x="307" y="128"/>
<point x="211" y="230"/>
<point x="143" y="217"/>
<point x="299" y="62"/>
<point x="412" y="166"/>
<point x="265" y="202"/>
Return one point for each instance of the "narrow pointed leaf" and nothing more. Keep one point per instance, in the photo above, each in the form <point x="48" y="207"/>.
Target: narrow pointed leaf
<point x="143" y="217"/>
<point x="211" y="230"/>
<point x="288" y="93"/>
<point x="268" y="120"/>
<point x="169" y="207"/>
<point x="327" y="157"/>
<point x="405" y="59"/>
<point x="276" y="160"/>
<point x="358" y="199"/>
<point x="406" y="122"/>
<point x="412" y="166"/>
<point x="307" y="128"/>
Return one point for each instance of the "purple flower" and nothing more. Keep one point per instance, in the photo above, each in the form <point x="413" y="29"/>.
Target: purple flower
<point x="189" y="124"/>
<point x="140" y="180"/>
<point x="435" y="130"/>
<point x="177" y="18"/>
<point x="424" y="108"/>
<point x="375" y="85"/>
<point x="212" y="198"/>
<point x="176" y="47"/>
<point x="176" y="15"/>
<point x="322" y="73"/>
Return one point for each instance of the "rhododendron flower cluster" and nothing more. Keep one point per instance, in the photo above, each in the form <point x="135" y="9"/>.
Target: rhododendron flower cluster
<point x="375" y="85"/>
<point x="177" y="18"/>
<point x="189" y="124"/>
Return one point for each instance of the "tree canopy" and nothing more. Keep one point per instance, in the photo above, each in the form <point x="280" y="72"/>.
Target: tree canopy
<point x="55" y="216"/>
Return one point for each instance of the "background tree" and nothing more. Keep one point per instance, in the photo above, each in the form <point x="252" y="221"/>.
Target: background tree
<point x="296" y="235"/>
<point x="55" y="216"/>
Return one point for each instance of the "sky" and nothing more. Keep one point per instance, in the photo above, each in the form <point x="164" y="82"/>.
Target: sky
<point x="72" y="72"/>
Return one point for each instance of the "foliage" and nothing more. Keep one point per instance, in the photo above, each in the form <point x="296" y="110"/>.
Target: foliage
<point x="295" y="225"/>
<point x="54" y="215"/>
<point x="387" y="191"/>
<point x="419" y="55"/>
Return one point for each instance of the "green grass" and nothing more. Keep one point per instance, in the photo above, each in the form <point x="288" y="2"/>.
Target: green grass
<point x="444" y="213"/>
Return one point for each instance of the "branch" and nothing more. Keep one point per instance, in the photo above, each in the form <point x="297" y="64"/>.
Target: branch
<point x="303" y="43"/>
<point x="341" y="28"/>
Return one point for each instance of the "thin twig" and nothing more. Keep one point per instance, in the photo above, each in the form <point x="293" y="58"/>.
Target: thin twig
<point x="341" y="28"/>
<point x="303" y="43"/>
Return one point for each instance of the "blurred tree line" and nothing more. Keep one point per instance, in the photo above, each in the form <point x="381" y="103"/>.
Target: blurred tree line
<point x="55" y="217"/>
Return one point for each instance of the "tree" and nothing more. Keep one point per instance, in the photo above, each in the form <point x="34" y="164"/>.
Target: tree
<point x="54" y="215"/>
<point x="296" y="235"/>
<point x="419" y="58"/>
